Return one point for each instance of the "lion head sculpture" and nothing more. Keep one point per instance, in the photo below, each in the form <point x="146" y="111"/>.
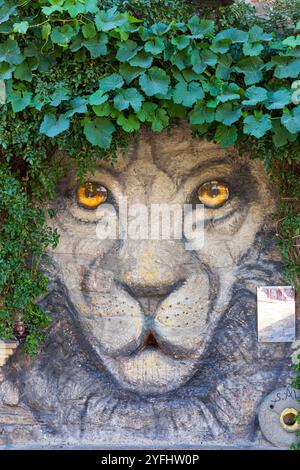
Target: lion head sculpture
<point x="149" y="338"/>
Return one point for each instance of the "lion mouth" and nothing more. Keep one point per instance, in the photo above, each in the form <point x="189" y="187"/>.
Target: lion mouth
<point x="150" y="341"/>
<point x="150" y="371"/>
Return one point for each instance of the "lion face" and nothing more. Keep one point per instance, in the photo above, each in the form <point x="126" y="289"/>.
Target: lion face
<point x="149" y="308"/>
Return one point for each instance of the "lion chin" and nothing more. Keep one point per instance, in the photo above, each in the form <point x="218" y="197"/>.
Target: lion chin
<point x="150" y="372"/>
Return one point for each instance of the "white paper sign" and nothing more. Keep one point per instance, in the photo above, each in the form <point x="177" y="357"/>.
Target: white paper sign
<point x="276" y="314"/>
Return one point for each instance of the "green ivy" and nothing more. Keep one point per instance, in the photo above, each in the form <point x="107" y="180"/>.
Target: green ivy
<point x="83" y="80"/>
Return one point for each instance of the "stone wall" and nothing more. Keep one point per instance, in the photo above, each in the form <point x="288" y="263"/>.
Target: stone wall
<point x="154" y="344"/>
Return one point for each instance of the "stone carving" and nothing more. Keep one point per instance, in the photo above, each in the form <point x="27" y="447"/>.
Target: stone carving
<point x="277" y="416"/>
<point x="150" y="343"/>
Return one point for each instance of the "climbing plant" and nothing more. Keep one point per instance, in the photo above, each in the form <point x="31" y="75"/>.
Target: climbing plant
<point x="78" y="81"/>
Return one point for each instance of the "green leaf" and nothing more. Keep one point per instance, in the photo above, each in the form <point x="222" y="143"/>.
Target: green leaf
<point x="129" y="97"/>
<point x="183" y="59"/>
<point x="130" y="73"/>
<point x="44" y="61"/>
<point x="147" y="111"/>
<point x="6" y="11"/>
<point x="127" y="50"/>
<point x="63" y="34"/>
<point x="209" y="57"/>
<point x="6" y="70"/>
<point x="252" y="49"/>
<point x="155" y="81"/>
<point x="281" y="136"/>
<point x="251" y="67"/>
<point x="110" y="19"/>
<point x="102" y="110"/>
<point x="21" y="27"/>
<point x="97" y="45"/>
<point x="191" y="57"/>
<point x="279" y="99"/>
<point x="224" y="67"/>
<point x="20" y="100"/>
<point x="61" y="94"/>
<point x="229" y="92"/>
<point x="24" y="71"/>
<point x="222" y="46"/>
<point x="257" y="124"/>
<point x="129" y="124"/>
<point x="235" y="35"/>
<point x="77" y="106"/>
<point x="142" y="59"/>
<point x="200" y="28"/>
<point x="49" y="10"/>
<point x="155" y="46"/>
<point x="256" y="33"/>
<point x="292" y="41"/>
<point x="159" y="28"/>
<point x="176" y="110"/>
<point x="97" y="98"/>
<point x="226" y="136"/>
<point x="180" y="42"/>
<point x="226" y="114"/>
<point x="112" y="82"/>
<point x="46" y="31"/>
<point x="189" y="75"/>
<point x="187" y="93"/>
<point x="291" y="119"/>
<point x="255" y="95"/>
<point x="89" y="31"/>
<point x="160" y="121"/>
<point x="51" y="126"/>
<point x="201" y="114"/>
<point x="99" y="132"/>
<point x="214" y="86"/>
<point x="10" y="52"/>
<point x="286" y="67"/>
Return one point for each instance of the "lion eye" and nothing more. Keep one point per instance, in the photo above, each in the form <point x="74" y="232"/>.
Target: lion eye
<point x="213" y="194"/>
<point x="90" y="195"/>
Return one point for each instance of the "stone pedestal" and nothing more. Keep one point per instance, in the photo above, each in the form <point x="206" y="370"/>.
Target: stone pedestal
<point x="7" y="348"/>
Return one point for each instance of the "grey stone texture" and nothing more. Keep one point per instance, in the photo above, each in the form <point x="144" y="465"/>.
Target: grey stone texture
<point x="278" y="402"/>
<point x="99" y="380"/>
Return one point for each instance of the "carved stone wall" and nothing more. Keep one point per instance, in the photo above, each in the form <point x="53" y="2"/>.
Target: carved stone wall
<point x="151" y="343"/>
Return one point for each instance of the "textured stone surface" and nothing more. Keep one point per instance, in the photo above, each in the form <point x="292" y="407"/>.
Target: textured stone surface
<point x="98" y="380"/>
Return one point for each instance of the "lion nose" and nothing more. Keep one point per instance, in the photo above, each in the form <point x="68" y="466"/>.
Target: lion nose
<point x="153" y="266"/>
<point x="150" y="297"/>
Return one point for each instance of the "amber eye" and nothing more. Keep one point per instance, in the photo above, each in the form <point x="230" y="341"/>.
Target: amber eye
<point x="213" y="194"/>
<point x="90" y="195"/>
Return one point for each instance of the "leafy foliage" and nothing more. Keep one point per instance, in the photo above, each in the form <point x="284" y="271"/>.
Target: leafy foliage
<point x="82" y="80"/>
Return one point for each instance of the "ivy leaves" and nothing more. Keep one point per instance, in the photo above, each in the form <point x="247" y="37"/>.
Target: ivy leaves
<point x="229" y="83"/>
<point x="155" y="82"/>
<point x="51" y="126"/>
<point x="291" y="120"/>
<point x="99" y="132"/>
<point x="63" y="34"/>
<point x="257" y="124"/>
<point x="10" y="52"/>
<point x="187" y="93"/>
